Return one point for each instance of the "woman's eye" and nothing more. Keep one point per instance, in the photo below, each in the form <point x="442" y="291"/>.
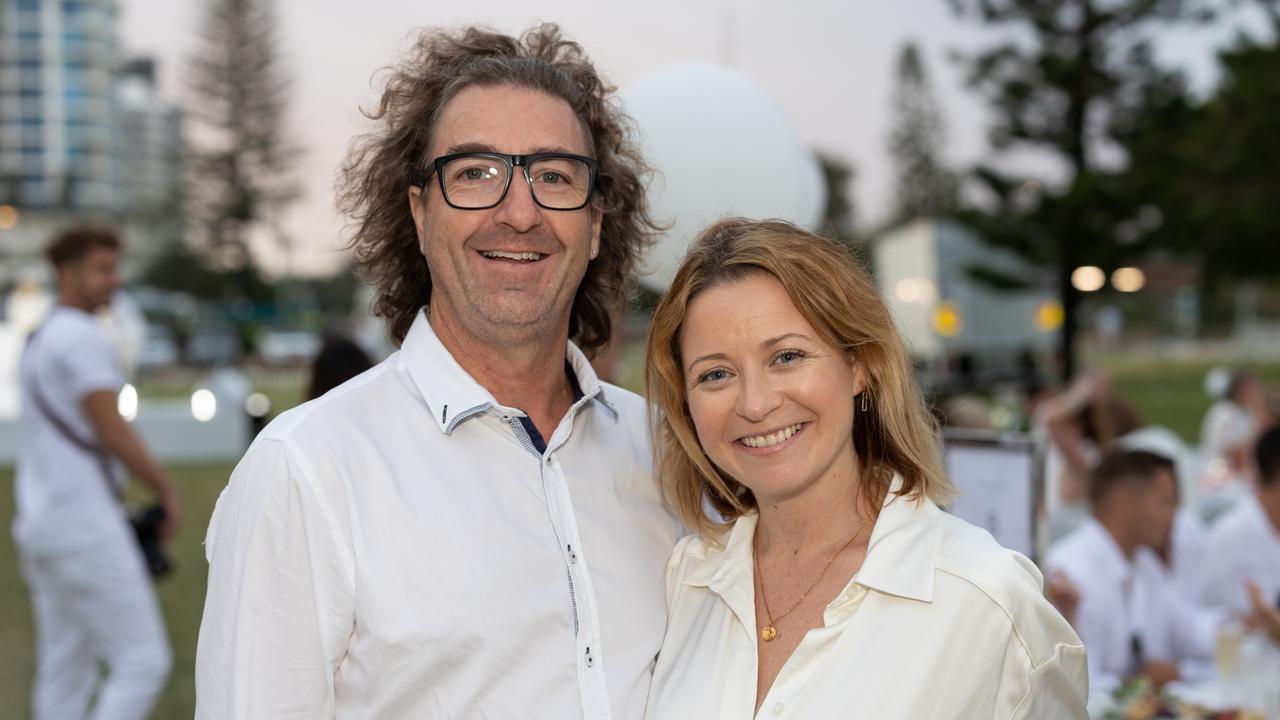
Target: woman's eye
<point x="789" y="356"/>
<point x="713" y="375"/>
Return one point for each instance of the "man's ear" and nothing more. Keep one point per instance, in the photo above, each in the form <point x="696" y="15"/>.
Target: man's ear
<point x="418" y="208"/>
<point x="597" y="218"/>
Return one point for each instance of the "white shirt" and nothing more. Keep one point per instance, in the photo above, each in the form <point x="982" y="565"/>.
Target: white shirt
<point x="397" y="549"/>
<point x="940" y="622"/>
<point x="64" y="502"/>
<point x="1189" y="549"/>
<point x="1121" y="599"/>
<point x="1226" y="425"/>
<point x="1244" y="546"/>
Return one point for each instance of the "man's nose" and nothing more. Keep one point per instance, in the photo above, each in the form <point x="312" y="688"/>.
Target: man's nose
<point x="518" y="209"/>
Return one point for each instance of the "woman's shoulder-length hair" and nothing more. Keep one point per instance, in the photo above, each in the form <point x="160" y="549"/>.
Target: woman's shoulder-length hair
<point x="896" y="435"/>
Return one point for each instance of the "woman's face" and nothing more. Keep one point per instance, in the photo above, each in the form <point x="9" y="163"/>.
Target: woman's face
<point x="772" y="402"/>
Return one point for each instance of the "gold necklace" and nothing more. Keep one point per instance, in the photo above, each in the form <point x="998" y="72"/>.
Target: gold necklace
<point x="770" y="631"/>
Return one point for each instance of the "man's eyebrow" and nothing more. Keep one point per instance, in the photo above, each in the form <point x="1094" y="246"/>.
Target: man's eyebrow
<point x="467" y="147"/>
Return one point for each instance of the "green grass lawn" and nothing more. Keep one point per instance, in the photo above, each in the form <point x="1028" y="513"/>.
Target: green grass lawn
<point x="1171" y="393"/>
<point x="181" y="596"/>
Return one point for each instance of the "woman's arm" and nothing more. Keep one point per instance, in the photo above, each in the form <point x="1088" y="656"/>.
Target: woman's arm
<point x="1059" y="416"/>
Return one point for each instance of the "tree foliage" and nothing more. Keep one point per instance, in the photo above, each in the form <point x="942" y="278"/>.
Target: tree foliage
<point x="924" y="185"/>
<point x="1210" y="168"/>
<point x="1073" y="76"/>
<point x="242" y="156"/>
<point x="181" y="270"/>
<point x="838" y="211"/>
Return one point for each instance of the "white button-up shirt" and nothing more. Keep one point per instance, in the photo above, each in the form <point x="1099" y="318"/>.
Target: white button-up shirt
<point x="399" y="549"/>
<point x="1121" y="599"/>
<point x="939" y="622"/>
<point x="1244" y="545"/>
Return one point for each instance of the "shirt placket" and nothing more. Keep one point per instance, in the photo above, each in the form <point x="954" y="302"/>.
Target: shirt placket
<point x="582" y="605"/>
<point x="810" y="654"/>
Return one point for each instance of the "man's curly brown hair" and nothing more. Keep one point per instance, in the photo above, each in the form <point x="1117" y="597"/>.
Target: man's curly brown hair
<point x="382" y="164"/>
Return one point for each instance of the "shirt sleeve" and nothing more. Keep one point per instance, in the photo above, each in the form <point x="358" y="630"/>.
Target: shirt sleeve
<point x="1056" y="676"/>
<point x="1057" y="689"/>
<point x="279" y="612"/>
<point x="1090" y="625"/>
<point x="85" y="366"/>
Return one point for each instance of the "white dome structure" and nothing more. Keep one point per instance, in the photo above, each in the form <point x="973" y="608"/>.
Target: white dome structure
<point x="721" y="147"/>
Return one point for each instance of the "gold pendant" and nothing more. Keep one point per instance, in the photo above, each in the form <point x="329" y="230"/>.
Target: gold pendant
<point x="768" y="632"/>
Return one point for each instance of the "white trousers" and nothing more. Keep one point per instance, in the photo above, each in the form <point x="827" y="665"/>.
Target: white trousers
<point x="96" y="608"/>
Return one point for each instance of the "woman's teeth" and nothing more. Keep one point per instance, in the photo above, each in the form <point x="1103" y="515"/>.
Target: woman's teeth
<point x="762" y="441"/>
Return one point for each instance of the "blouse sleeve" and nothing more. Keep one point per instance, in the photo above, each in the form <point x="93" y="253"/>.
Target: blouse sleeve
<point x="1050" y="664"/>
<point x="1056" y="688"/>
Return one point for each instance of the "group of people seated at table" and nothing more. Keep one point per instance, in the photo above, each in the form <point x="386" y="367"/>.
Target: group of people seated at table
<point x="1146" y="588"/>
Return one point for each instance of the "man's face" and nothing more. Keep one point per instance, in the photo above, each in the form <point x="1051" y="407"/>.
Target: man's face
<point x="91" y="281"/>
<point x="1156" y="507"/>
<point x="493" y="297"/>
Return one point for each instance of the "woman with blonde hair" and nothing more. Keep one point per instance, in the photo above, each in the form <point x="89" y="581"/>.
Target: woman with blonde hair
<point x="823" y="580"/>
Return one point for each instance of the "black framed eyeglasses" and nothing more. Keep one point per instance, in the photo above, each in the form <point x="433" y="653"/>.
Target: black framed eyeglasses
<point x="480" y="180"/>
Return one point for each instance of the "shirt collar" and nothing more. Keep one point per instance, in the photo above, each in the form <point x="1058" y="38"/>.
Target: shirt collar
<point x="450" y="392"/>
<point x="903" y="552"/>
<point x="901" y="556"/>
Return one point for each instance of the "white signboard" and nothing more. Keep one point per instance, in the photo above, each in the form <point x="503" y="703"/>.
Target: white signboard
<point x="996" y="476"/>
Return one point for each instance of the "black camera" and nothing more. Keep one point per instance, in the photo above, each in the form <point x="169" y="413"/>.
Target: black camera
<point x="146" y="524"/>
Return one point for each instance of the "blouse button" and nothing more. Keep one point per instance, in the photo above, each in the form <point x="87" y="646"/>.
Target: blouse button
<point x="777" y="708"/>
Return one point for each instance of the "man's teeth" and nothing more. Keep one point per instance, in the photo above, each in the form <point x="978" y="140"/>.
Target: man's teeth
<point x="761" y="441"/>
<point x="527" y="256"/>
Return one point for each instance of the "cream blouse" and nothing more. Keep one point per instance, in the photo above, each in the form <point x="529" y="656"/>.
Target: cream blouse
<point x="940" y="622"/>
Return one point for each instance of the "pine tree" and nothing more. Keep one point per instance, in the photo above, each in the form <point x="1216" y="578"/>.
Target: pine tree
<point x="242" y="158"/>
<point x="925" y="187"/>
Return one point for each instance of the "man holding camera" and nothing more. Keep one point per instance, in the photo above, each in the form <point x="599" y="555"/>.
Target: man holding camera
<point x="92" y="598"/>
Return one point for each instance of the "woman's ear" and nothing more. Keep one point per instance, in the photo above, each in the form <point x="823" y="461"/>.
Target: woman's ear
<point x="860" y="375"/>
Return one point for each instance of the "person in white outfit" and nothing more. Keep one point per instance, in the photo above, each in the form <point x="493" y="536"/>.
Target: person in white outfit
<point x="1245" y="543"/>
<point x="92" y="596"/>
<point x="1227" y="434"/>
<point x="1132" y="617"/>
<point x="470" y="529"/>
<point x="824" y="579"/>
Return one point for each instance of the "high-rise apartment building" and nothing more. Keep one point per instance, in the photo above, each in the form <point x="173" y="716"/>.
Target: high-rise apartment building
<point x="84" y="135"/>
<point x="58" y="115"/>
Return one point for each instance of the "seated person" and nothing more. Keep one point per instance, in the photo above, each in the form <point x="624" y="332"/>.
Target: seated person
<point x="1131" y="617"/>
<point x="1245" y="543"/>
<point x="1184" y="552"/>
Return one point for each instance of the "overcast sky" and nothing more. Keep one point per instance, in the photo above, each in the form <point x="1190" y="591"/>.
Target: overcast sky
<point x="828" y="63"/>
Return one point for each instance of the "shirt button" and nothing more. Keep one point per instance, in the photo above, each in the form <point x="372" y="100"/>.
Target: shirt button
<point x="777" y="708"/>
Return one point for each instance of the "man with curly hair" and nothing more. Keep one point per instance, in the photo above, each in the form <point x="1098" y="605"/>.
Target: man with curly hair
<point x="470" y="529"/>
